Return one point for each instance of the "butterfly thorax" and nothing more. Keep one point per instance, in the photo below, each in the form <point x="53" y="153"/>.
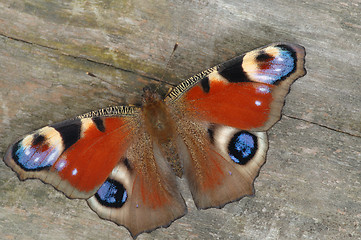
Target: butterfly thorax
<point x="158" y="121"/>
<point x="157" y="118"/>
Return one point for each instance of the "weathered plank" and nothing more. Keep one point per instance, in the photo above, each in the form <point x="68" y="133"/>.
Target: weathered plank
<point x="310" y="186"/>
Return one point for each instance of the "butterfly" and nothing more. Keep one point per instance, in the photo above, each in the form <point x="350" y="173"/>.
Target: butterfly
<point x="211" y="129"/>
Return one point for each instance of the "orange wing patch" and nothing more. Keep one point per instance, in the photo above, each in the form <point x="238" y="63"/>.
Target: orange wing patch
<point x="88" y="162"/>
<point x="244" y="105"/>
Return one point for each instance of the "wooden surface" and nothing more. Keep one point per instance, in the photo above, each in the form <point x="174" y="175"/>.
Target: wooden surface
<point x="310" y="186"/>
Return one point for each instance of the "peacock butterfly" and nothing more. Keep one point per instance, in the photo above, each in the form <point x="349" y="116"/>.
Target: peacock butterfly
<point x="124" y="160"/>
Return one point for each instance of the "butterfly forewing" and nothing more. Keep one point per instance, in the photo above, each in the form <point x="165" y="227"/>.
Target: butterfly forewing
<point x="246" y="92"/>
<point x="75" y="156"/>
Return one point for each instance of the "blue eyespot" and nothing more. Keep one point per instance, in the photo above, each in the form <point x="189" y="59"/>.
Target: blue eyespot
<point x="276" y="68"/>
<point x="112" y="194"/>
<point x="34" y="158"/>
<point x="242" y="147"/>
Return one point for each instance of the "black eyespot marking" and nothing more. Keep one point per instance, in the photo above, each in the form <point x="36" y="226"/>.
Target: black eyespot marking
<point x="127" y="164"/>
<point x="112" y="194"/>
<point x="205" y="84"/>
<point x="264" y="57"/>
<point x="211" y="133"/>
<point x="38" y="139"/>
<point x="293" y="56"/>
<point x="288" y="49"/>
<point x="14" y="151"/>
<point x="69" y="131"/>
<point x="99" y="123"/>
<point x="233" y="70"/>
<point x="242" y="147"/>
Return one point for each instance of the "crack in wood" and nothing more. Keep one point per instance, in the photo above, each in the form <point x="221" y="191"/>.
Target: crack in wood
<point x="87" y="59"/>
<point x="323" y="126"/>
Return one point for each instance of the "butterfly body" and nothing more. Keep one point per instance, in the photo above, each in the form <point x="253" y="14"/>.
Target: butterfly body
<point x="209" y="129"/>
<point x="157" y="118"/>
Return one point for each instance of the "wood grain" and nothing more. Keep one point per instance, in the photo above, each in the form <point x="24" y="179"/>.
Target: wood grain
<point x="310" y="187"/>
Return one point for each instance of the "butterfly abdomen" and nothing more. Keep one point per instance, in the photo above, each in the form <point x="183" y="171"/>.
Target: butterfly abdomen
<point x="160" y="126"/>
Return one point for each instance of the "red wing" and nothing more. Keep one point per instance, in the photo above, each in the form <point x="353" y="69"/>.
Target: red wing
<point x="74" y="156"/>
<point x="246" y="92"/>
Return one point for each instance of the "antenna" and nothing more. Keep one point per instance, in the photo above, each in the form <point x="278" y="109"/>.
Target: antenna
<point x="168" y="62"/>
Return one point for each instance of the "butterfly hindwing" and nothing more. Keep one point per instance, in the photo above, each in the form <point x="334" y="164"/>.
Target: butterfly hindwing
<point x="141" y="193"/>
<point x="220" y="162"/>
<point x="75" y="156"/>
